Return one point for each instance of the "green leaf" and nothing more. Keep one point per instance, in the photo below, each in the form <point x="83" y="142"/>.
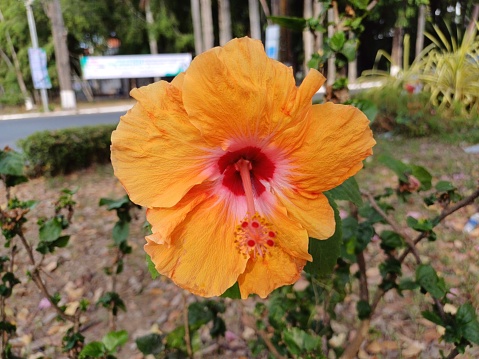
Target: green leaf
<point x="7" y="327"/>
<point x="150" y="344"/>
<point x="113" y="340"/>
<point x="427" y="278"/>
<point x="364" y="309"/>
<point x="93" y="349"/>
<point x="433" y="317"/>
<point x="360" y="4"/>
<point x="114" y="203"/>
<point x="176" y="338"/>
<point x="199" y="314"/>
<point x="421" y="225"/>
<point x="444" y="186"/>
<point x="423" y="176"/>
<point x="120" y="232"/>
<point x="467" y="321"/>
<point x="219" y="327"/>
<point x="390" y="240"/>
<point x="325" y="253"/>
<point x="369" y="108"/>
<point x="349" y="50"/>
<point x="407" y="284"/>
<point x="398" y="167"/>
<point x="232" y="292"/>
<point x="347" y="191"/>
<point x="290" y="22"/>
<point x="51" y="230"/>
<point x="151" y="268"/>
<point x="298" y="341"/>
<point x="337" y="41"/>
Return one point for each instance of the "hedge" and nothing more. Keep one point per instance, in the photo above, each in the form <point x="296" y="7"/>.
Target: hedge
<point x="66" y="150"/>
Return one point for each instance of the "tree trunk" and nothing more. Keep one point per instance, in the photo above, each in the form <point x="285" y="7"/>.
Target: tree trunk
<point x="421" y="24"/>
<point x="62" y="57"/>
<point x="196" y="17"/>
<point x="331" y="77"/>
<point x="396" y="53"/>
<point x="207" y="22"/>
<point x="16" y="66"/>
<point x="471" y="27"/>
<point x="352" y="65"/>
<point x="150" y="21"/>
<point x="224" y="18"/>
<point x="308" y="38"/>
<point x="254" y="22"/>
<point x="318" y="35"/>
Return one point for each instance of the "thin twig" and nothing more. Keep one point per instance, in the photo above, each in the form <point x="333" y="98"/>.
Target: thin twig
<point x="355" y="344"/>
<point x="186" y="323"/>
<point x="37" y="279"/>
<point x="395" y="226"/>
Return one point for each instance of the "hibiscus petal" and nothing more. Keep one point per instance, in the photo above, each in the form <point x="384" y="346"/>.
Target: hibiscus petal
<point x="338" y="140"/>
<point x="202" y="257"/>
<point x="238" y="92"/>
<point x="291" y="236"/>
<point x="155" y="150"/>
<point x="314" y="214"/>
<point x="265" y="274"/>
<point x="165" y="220"/>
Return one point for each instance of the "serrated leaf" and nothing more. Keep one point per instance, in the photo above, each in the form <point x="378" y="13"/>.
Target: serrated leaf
<point x="423" y="176"/>
<point x="120" y="232"/>
<point x="391" y="240"/>
<point x="398" y="167"/>
<point x="427" y="278"/>
<point x="433" y="317"/>
<point x="151" y="268"/>
<point x="93" y="349"/>
<point x="232" y="292"/>
<point x="364" y="309"/>
<point x="290" y="22"/>
<point x="113" y="340"/>
<point x="199" y="314"/>
<point x="337" y="41"/>
<point x="347" y="191"/>
<point x="298" y="341"/>
<point x="114" y="203"/>
<point x="444" y="186"/>
<point x="325" y="253"/>
<point x="349" y="50"/>
<point x="51" y="230"/>
<point x="150" y="344"/>
<point x="467" y="321"/>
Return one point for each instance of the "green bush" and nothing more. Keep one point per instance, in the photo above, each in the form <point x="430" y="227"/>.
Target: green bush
<point x="402" y="112"/>
<point x="67" y="150"/>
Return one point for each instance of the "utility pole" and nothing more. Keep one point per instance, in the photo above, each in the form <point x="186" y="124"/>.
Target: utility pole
<point x="34" y="38"/>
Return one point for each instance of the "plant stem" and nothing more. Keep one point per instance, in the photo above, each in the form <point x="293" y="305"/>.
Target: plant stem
<point x="189" y="350"/>
<point x="353" y="347"/>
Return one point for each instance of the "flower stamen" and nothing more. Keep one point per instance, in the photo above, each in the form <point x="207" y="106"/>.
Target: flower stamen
<point x="244" y="167"/>
<point x="254" y="236"/>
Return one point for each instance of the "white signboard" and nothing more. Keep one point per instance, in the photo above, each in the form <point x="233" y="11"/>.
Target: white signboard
<point x="133" y="66"/>
<point x="272" y="41"/>
<point x="38" y="68"/>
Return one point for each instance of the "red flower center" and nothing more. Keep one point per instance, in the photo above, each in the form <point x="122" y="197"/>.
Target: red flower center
<point x="261" y="168"/>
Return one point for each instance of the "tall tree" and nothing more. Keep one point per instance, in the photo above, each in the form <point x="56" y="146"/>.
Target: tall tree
<point x="207" y="24"/>
<point x="150" y="23"/>
<point x="197" y="28"/>
<point x="62" y="57"/>
<point x="224" y="19"/>
<point x="254" y="20"/>
<point x="421" y="25"/>
<point x="308" y="38"/>
<point x="14" y="63"/>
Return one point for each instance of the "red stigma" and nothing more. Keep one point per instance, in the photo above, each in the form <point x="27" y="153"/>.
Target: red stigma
<point x="255" y="224"/>
<point x="251" y="243"/>
<point x="244" y="224"/>
<point x="270" y="242"/>
<point x="272" y="234"/>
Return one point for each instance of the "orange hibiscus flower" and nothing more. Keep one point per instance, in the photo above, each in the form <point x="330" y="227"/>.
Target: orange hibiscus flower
<point x="231" y="159"/>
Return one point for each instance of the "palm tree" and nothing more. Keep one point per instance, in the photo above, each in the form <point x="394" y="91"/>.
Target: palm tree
<point x="196" y="17"/>
<point x="224" y="18"/>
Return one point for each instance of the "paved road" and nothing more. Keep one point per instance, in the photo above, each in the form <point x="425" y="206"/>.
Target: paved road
<point x="13" y="130"/>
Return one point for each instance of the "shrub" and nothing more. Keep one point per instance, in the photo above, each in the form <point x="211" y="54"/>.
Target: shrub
<point x="402" y="112"/>
<point x="67" y="150"/>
